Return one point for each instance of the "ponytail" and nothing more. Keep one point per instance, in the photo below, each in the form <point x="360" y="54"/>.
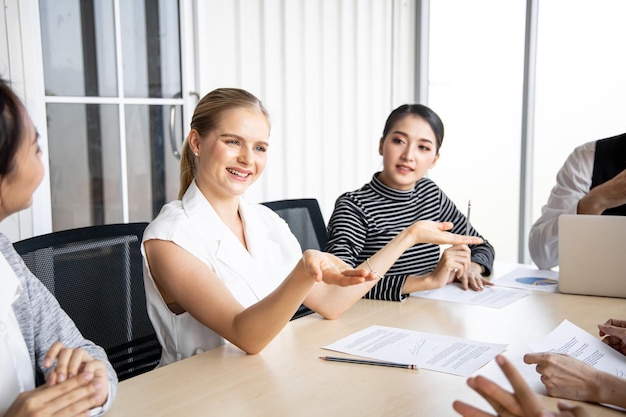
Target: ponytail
<point x="187" y="168"/>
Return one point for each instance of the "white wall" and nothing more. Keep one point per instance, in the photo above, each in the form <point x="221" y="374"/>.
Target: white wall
<point x="329" y="73"/>
<point x="20" y="62"/>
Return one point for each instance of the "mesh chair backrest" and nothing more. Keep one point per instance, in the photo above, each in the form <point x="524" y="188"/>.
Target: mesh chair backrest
<point x="305" y="220"/>
<point x="96" y="274"/>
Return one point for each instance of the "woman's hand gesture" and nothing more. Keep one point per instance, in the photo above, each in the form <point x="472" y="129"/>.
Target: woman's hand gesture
<point x="323" y="266"/>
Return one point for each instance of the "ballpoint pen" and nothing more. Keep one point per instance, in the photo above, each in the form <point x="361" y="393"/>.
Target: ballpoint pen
<point x="366" y="362"/>
<point x="467" y="225"/>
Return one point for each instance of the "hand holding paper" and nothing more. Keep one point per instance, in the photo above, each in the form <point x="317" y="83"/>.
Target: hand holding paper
<point x="567" y="377"/>
<point x="614" y="333"/>
<point x="579" y="367"/>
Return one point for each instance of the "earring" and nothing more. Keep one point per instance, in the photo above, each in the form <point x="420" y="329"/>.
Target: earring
<point x="196" y="154"/>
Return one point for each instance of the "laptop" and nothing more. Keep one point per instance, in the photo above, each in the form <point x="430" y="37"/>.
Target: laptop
<point x="592" y="255"/>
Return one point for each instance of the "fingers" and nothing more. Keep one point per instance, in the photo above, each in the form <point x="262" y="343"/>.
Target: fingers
<point x="616" y="323"/>
<point x="457" y="259"/>
<point x="529" y="402"/>
<point x="52" y="354"/>
<point x="454" y="239"/>
<point x="467" y="240"/>
<point x="464" y="281"/>
<point x="427" y="231"/>
<point x="69" y="362"/>
<point x="475" y="282"/>
<point x="571" y="410"/>
<point x="467" y="410"/>
<point x="443" y="226"/>
<point x="611" y="328"/>
<point x="502" y="401"/>
<point x="323" y="266"/>
<point x="536" y="358"/>
<point x="69" y="398"/>
<point x="80" y="398"/>
<point x="98" y="369"/>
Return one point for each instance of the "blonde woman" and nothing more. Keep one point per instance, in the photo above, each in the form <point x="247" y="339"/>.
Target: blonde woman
<point x="218" y="268"/>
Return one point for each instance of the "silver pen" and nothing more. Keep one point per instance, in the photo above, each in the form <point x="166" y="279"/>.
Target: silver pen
<point x="467" y="225"/>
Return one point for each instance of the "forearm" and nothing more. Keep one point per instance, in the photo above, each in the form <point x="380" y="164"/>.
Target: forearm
<point x="593" y="203"/>
<point x="255" y="327"/>
<point x="387" y="256"/>
<point x="611" y="390"/>
<point x="331" y="302"/>
<point x="427" y="282"/>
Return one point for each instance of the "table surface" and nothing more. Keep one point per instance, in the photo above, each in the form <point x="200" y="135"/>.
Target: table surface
<point x="289" y="379"/>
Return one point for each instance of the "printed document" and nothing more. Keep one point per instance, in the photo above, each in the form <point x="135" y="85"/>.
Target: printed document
<point x="529" y="278"/>
<point x="494" y="296"/>
<point x="435" y="352"/>
<point x="571" y="340"/>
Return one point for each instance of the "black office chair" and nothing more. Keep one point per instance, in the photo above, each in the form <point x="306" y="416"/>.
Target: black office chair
<point x="306" y="222"/>
<point x="96" y="274"/>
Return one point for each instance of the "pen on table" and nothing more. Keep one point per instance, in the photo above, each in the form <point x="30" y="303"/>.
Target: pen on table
<point x="467" y="225"/>
<point x="365" y="362"/>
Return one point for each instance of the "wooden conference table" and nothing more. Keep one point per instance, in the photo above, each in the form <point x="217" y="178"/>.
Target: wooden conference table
<point x="288" y="378"/>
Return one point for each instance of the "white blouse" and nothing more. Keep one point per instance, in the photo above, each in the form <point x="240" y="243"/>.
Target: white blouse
<point x="250" y="275"/>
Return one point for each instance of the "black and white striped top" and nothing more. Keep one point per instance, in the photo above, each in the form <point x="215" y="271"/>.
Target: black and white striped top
<point x="365" y="220"/>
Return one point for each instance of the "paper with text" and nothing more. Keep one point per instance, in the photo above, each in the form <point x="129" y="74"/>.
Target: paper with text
<point x="494" y="297"/>
<point x="571" y="340"/>
<point x="529" y="279"/>
<point x="435" y="352"/>
<point x="568" y="339"/>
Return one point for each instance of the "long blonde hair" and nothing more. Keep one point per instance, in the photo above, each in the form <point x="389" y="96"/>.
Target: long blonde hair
<point x="206" y="117"/>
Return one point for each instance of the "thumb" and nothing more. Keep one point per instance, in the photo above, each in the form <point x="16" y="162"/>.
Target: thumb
<point x="445" y="226"/>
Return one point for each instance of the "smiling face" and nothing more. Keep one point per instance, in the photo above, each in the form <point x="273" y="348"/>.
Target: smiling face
<point x="409" y="150"/>
<point x="232" y="156"/>
<point x="17" y="187"/>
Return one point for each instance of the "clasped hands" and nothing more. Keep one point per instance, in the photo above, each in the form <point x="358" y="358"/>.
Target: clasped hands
<point x="77" y="383"/>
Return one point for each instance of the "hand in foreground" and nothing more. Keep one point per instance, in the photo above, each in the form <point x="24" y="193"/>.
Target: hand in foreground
<point x="523" y="402"/>
<point x="426" y="231"/>
<point x="472" y="278"/>
<point x="73" y="362"/>
<point x="566" y="377"/>
<point x="614" y="333"/>
<point x="72" y="397"/>
<point x="323" y="266"/>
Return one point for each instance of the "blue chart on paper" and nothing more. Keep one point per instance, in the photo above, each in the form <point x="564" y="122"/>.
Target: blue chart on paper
<point x="537" y="281"/>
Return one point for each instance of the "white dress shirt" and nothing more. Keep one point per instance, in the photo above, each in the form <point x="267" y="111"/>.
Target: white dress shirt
<point x="573" y="182"/>
<point x="16" y="369"/>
